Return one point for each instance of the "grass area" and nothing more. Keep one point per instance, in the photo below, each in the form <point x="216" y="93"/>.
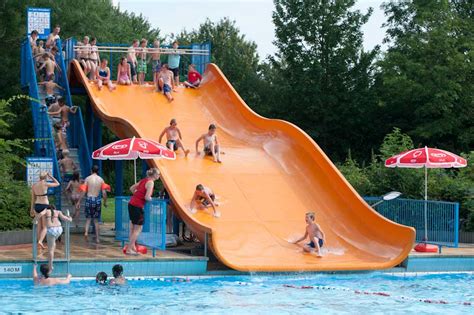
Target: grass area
<point x="108" y="214"/>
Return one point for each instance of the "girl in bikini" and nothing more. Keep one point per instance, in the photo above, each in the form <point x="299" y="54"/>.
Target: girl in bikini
<point x="123" y="72"/>
<point x="54" y="229"/>
<point x="40" y="201"/>
<point x="75" y="194"/>
<point x="93" y="58"/>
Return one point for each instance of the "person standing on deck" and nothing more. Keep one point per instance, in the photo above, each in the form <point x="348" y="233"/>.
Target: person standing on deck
<point x="142" y="192"/>
<point x="95" y="185"/>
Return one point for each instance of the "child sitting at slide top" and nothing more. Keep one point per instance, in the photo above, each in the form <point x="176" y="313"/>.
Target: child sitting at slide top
<point x="54" y="229"/>
<point x="204" y="198"/>
<point x="315" y="234"/>
<point x="173" y="137"/>
<point x="194" y="77"/>
<point x="103" y="76"/>
<point x="124" y="74"/>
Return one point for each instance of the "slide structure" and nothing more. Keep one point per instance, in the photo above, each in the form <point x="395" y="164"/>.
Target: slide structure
<point x="272" y="174"/>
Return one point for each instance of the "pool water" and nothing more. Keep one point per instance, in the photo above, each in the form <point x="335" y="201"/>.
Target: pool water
<point x="282" y="294"/>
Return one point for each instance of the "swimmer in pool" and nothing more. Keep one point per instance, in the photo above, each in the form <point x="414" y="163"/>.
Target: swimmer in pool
<point x="45" y="279"/>
<point x="101" y="278"/>
<point x="315" y="234"/>
<point x="118" y="279"/>
<point x="204" y="198"/>
<point x="173" y="137"/>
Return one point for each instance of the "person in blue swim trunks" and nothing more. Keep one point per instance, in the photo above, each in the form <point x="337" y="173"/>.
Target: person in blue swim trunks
<point x="315" y="234"/>
<point x="95" y="188"/>
<point x="166" y="82"/>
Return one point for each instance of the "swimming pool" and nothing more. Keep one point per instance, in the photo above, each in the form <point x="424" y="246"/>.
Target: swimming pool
<point x="291" y="294"/>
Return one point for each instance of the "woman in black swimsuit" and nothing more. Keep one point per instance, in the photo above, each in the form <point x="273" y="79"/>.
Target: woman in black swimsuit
<point x="40" y="201"/>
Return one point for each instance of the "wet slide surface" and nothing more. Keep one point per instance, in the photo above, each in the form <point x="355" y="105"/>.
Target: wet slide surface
<point x="272" y="174"/>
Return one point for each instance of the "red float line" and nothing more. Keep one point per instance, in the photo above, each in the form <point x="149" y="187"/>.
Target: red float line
<point x="429" y="301"/>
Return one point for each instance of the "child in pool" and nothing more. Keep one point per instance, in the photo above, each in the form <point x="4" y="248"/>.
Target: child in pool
<point x="316" y="236"/>
<point x="173" y="137"/>
<point x="204" y="198"/>
<point x="118" y="279"/>
<point x="101" y="278"/>
<point x="45" y="279"/>
<point x="54" y="229"/>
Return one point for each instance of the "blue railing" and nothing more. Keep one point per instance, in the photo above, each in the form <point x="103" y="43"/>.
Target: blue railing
<point x="443" y="218"/>
<point x="201" y="61"/>
<point x="154" y="229"/>
<point x="77" y="135"/>
<point x="44" y="141"/>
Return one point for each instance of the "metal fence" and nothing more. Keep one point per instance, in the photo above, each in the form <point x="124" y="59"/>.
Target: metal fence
<point x="200" y="60"/>
<point x="154" y="228"/>
<point x="443" y="217"/>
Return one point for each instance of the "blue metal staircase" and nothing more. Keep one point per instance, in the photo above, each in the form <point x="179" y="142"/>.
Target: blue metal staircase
<point x="44" y="145"/>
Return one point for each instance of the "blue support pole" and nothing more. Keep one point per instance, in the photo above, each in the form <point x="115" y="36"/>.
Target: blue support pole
<point x="97" y="139"/>
<point x="89" y="124"/>
<point x="144" y="168"/>
<point x="118" y="178"/>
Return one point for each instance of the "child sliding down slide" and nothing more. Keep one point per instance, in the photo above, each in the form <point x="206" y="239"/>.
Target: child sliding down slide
<point x="204" y="198"/>
<point x="316" y="236"/>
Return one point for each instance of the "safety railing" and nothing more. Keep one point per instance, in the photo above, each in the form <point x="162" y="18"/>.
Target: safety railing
<point x="442" y="218"/>
<point x="198" y="54"/>
<point x="154" y="229"/>
<point x="44" y="142"/>
<point x="67" y="244"/>
<point x="77" y="135"/>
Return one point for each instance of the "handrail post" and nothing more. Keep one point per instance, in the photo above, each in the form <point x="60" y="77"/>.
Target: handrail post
<point x="205" y="244"/>
<point x="456" y="225"/>
<point x="68" y="249"/>
<point x="35" y="241"/>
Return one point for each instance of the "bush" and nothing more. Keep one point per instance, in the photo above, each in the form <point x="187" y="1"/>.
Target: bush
<point x="15" y="196"/>
<point x="456" y="185"/>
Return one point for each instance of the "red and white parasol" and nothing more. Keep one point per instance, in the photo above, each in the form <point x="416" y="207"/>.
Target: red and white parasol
<point x="427" y="158"/>
<point x="132" y="149"/>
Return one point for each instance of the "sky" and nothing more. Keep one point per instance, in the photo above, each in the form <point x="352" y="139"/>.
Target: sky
<point x="253" y="17"/>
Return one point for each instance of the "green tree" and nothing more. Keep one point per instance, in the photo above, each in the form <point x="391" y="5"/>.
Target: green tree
<point x="14" y="197"/>
<point x="235" y="55"/>
<point x="427" y="75"/>
<point x="325" y="76"/>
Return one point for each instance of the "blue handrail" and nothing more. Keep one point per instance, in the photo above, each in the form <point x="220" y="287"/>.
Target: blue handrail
<point x="77" y="138"/>
<point x="44" y="141"/>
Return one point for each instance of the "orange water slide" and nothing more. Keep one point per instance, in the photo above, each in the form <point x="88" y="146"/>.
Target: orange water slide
<point x="272" y="174"/>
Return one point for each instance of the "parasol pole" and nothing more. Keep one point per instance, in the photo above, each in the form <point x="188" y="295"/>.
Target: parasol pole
<point x="134" y="160"/>
<point x="426" y="193"/>
<point x="135" y="170"/>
